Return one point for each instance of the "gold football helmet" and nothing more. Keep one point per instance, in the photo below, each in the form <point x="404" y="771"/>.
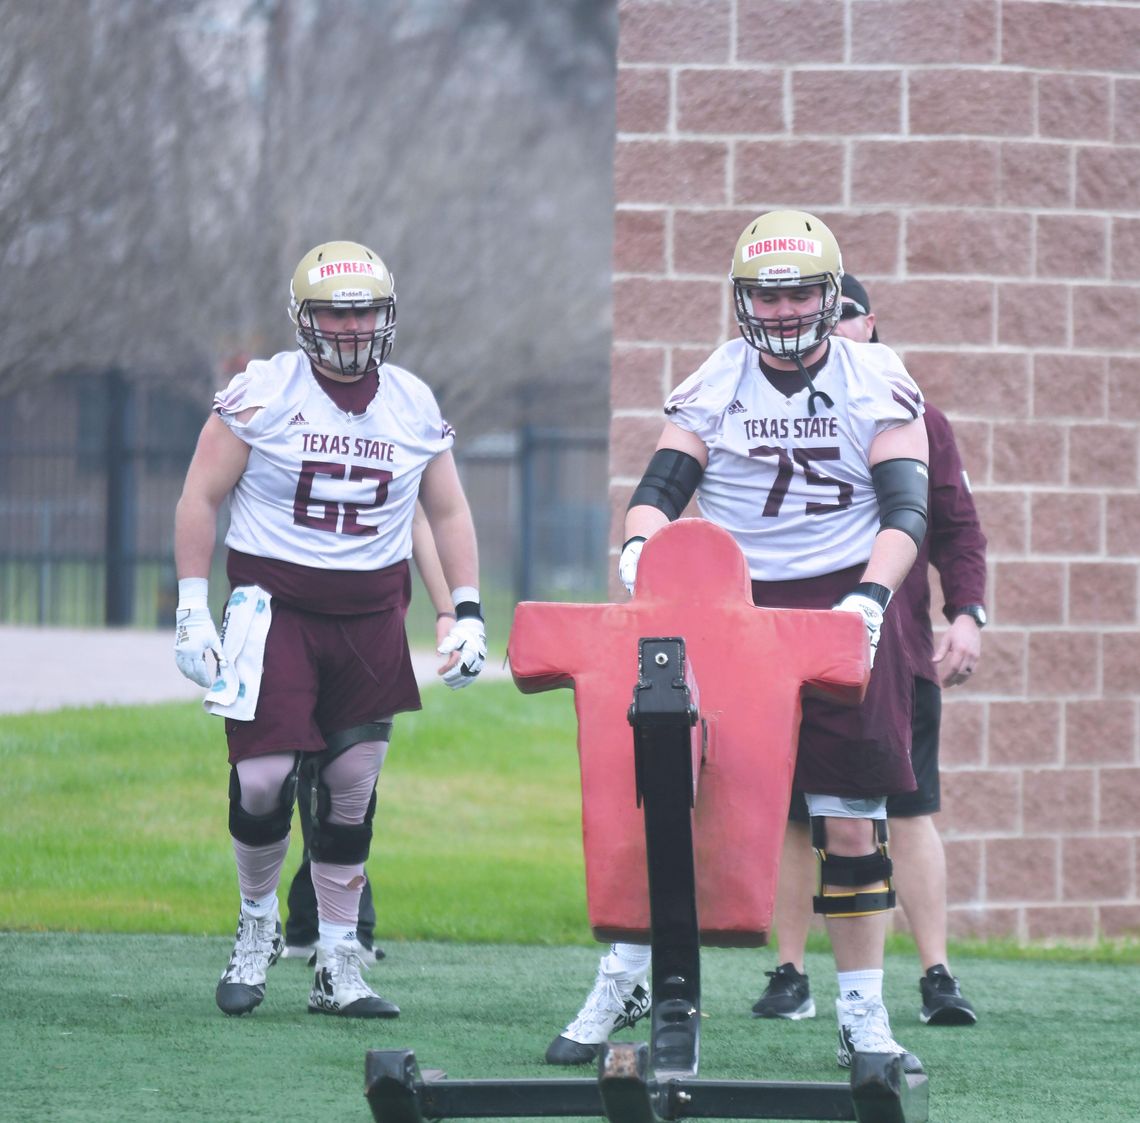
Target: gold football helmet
<point x="343" y="301"/>
<point x="787" y="250"/>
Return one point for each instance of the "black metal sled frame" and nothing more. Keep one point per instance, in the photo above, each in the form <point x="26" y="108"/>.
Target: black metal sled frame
<point x="638" y="1082"/>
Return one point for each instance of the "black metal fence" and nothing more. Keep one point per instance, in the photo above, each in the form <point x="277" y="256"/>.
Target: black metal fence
<point x="91" y="468"/>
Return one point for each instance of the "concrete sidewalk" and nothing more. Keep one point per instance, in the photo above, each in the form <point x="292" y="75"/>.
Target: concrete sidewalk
<point x="52" y="668"/>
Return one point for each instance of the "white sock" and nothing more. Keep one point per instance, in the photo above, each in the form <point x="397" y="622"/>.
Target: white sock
<point x="259" y="907"/>
<point x="629" y="959"/>
<point x="860" y="986"/>
<point x="333" y="934"/>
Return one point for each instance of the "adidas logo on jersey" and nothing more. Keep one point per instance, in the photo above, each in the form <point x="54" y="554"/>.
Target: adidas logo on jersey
<point x="736" y="407"/>
<point x="298" y="419"/>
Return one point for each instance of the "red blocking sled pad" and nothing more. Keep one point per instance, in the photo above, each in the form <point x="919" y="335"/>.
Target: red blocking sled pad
<point x="751" y="665"/>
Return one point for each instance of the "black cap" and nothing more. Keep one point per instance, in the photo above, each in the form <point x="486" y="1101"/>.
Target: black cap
<point x="853" y="290"/>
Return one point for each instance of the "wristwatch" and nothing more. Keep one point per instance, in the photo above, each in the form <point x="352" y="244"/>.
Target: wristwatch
<point x="977" y="611"/>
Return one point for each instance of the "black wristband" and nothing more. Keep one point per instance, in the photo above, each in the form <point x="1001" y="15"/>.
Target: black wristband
<point x="880" y="594"/>
<point x="468" y="608"/>
<point x="635" y="538"/>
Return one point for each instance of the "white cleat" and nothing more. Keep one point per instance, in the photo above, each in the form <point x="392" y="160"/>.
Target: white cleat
<point x="307" y="952"/>
<point x="865" y="1028"/>
<point x="257" y="946"/>
<point x="339" y="987"/>
<point x="616" y="1002"/>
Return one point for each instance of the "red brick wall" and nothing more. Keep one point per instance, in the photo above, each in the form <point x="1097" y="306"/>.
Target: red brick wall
<point x="980" y="164"/>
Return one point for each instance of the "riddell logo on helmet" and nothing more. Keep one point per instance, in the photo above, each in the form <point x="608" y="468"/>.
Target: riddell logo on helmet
<point x="338" y="269"/>
<point x="783" y="245"/>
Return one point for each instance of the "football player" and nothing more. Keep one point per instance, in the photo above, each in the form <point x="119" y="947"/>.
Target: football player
<point x="322" y="453"/>
<point x="810" y="450"/>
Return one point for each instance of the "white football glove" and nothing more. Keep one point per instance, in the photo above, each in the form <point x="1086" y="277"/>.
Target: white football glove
<point x="872" y="613"/>
<point x="468" y="636"/>
<point x="197" y="648"/>
<point x="627" y="563"/>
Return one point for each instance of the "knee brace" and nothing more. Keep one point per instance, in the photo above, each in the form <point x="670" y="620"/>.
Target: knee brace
<point x="261" y="830"/>
<point x="836" y="870"/>
<point x="339" y="844"/>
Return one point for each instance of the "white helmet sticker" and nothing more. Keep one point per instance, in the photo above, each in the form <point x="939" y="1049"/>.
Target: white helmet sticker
<point x="780" y="272"/>
<point x="350" y="296"/>
<point x="783" y="245"/>
<point x="329" y="269"/>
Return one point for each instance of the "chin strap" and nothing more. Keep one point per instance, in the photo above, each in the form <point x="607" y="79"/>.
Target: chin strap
<point x="813" y="393"/>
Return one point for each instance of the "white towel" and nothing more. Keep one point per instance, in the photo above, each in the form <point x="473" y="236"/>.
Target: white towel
<point x="244" y="628"/>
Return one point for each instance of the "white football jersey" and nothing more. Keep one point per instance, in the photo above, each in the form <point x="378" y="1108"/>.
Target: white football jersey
<point x="793" y="489"/>
<point x="323" y="487"/>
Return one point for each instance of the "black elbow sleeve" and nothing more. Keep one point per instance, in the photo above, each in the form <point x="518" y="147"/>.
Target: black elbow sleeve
<point x="669" y="482"/>
<point x="902" y="487"/>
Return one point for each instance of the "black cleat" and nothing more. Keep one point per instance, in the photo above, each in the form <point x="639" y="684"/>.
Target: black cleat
<point x="786" y="996"/>
<point x="942" y="1001"/>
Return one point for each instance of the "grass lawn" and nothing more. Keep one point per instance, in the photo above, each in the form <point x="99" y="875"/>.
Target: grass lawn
<point x="115" y="821"/>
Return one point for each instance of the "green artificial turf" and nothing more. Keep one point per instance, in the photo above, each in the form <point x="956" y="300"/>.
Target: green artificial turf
<point x="124" y="1028"/>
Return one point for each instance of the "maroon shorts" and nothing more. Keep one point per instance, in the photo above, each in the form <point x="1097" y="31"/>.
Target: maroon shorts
<point x="323" y="675"/>
<point x="859" y="750"/>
